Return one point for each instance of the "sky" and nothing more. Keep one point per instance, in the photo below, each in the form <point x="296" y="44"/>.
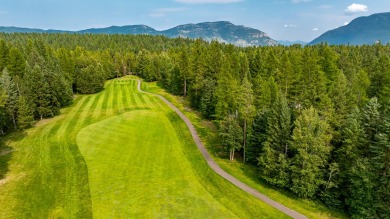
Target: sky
<point x="280" y="19"/>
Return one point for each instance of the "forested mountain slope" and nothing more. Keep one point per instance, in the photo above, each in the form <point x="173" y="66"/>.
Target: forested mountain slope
<point x="362" y="30"/>
<point x="222" y="31"/>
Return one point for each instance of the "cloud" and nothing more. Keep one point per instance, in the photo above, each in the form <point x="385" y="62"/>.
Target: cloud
<point x="208" y="1"/>
<point x="290" y="25"/>
<point x="315" y="29"/>
<point x="346" y="23"/>
<point x="299" y="1"/>
<point x="355" y="8"/>
<point x="161" y="12"/>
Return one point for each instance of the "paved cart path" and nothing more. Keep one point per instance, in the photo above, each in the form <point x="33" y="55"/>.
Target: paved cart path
<point x="213" y="165"/>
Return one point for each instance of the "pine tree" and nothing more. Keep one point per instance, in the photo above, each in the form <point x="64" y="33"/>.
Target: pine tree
<point x="381" y="161"/>
<point x="227" y="93"/>
<point x="273" y="161"/>
<point x="25" y="115"/>
<point x="12" y="95"/>
<point x="287" y="74"/>
<point x="16" y="64"/>
<point x="257" y="135"/>
<point x="311" y="141"/>
<point x="359" y="84"/>
<point x="231" y="134"/>
<point x="3" y="113"/>
<point x="3" y="54"/>
<point x="246" y="108"/>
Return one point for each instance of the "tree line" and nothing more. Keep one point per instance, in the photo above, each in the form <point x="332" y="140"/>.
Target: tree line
<point x="314" y="119"/>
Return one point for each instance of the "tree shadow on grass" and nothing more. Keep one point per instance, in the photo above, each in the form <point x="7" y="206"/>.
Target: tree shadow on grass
<point x="5" y="157"/>
<point x="6" y="151"/>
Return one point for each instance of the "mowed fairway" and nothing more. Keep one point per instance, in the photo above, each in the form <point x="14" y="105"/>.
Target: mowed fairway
<point x="118" y="154"/>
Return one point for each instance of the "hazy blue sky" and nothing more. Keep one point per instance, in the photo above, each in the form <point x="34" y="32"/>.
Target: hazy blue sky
<point x="281" y="19"/>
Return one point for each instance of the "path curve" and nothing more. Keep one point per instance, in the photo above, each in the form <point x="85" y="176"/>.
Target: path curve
<point x="213" y="165"/>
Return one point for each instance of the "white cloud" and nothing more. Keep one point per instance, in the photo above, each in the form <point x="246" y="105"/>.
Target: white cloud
<point x="346" y="23"/>
<point x="208" y="1"/>
<point x="299" y="1"/>
<point x="315" y="29"/>
<point x="355" y="8"/>
<point x="290" y="25"/>
<point x="161" y="12"/>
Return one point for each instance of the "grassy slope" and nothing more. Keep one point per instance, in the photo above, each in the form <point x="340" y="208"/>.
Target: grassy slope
<point x="243" y="172"/>
<point x="128" y="174"/>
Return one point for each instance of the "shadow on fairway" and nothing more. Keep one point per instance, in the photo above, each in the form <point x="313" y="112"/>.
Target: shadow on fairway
<point x="5" y="157"/>
<point x="6" y="151"/>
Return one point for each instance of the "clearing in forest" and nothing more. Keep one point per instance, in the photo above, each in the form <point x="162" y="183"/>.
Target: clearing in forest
<point x="117" y="154"/>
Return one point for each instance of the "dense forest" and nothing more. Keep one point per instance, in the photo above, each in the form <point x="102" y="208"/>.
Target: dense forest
<point x="315" y="119"/>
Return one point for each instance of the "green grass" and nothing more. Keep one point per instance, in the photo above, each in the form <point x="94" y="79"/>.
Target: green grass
<point x="244" y="172"/>
<point x="116" y="154"/>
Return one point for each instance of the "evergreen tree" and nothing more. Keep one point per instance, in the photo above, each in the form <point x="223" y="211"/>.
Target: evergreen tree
<point x="12" y="95"/>
<point x="257" y="135"/>
<point x="230" y="133"/>
<point x="311" y="143"/>
<point x="227" y="94"/>
<point x="16" y="64"/>
<point x="3" y="113"/>
<point x="3" y="54"/>
<point x="273" y="161"/>
<point x="39" y="93"/>
<point x="25" y="115"/>
<point x="246" y="109"/>
<point x="381" y="162"/>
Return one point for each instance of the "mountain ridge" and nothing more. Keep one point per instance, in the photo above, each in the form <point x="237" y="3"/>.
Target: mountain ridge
<point x="362" y="30"/>
<point x="222" y="31"/>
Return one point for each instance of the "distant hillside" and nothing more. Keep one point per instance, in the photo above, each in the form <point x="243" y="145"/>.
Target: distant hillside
<point x="223" y="31"/>
<point x="289" y="43"/>
<point x="131" y="29"/>
<point x="362" y="30"/>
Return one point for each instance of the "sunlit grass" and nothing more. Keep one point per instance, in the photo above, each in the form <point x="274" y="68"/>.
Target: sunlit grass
<point x="116" y="154"/>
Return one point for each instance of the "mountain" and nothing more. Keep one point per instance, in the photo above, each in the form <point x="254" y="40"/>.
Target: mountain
<point x="290" y="43"/>
<point x="223" y="31"/>
<point x="362" y="30"/>
<point x="130" y="29"/>
<point x="27" y="30"/>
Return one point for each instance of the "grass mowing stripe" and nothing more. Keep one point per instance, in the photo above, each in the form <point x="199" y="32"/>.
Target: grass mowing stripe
<point x="106" y="97"/>
<point x="99" y="107"/>
<point x="149" y="167"/>
<point x="141" y="163"/>
<point x="130" y="97"/>
<point x="70" y="116"/>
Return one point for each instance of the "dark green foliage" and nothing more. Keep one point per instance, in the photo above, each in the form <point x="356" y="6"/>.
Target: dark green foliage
<point x="311" y="144"/>
<point x="257" y="136"/>
<point x="230" y="133"/>
<point x="11" y="92"/>
<point x="273" y="160"/>
<point x="3" y="54"/>
<point x="90" y="79"/>
<point x="16" y="63"/>
<point x="25" y="115"/>
<point x="40" y="94"/>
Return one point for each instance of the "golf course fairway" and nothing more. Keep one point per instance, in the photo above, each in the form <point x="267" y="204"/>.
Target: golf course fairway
<point x="117" y="154"/>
